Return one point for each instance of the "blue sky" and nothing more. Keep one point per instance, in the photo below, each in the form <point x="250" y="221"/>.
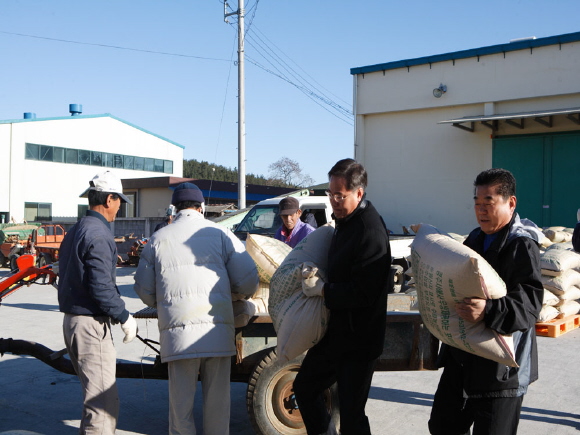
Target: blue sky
<point x="190" y="96"/>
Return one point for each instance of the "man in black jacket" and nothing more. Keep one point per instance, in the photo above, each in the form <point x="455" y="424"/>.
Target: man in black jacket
<point x="355" y="292"/>
<point x="90" y="300"/>
<point x="478" y="391"/>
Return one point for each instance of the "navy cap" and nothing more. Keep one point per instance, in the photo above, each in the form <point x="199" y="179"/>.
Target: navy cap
<point x="187" y="192"/>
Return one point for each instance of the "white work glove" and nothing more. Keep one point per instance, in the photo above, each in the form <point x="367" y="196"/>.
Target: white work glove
<point x="130" y="329"/>
<point x="312" y="283"/>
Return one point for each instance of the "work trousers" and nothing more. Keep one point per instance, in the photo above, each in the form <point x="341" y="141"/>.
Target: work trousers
<point x="452" y="414"/>
<point x="90" y="347"/>
<point x="215" y="384"/>
<point x="319" y="371"/>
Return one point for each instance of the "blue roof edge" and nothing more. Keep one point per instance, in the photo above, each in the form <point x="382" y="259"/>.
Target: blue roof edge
<point x="474" y="52"/>
<point x="104" y="115"/>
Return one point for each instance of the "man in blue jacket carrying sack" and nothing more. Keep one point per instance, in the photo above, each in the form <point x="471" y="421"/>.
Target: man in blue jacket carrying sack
<point x="90" y="300"/>
<point x="478" y="391"/>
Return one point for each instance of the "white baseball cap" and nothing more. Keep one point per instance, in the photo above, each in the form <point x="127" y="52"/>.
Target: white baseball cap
<point x="106" y="182"/>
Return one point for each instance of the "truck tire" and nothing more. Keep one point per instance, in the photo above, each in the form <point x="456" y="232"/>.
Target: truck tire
<point x="396" y="279"/>
<point x="270" y="397"/>
<point x="44" y="259"/>
<point x="13" y="265"/>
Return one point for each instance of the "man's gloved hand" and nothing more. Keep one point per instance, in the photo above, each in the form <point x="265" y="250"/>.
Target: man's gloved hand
<point x="130" y="329"/>
<point x="312" y="283"/>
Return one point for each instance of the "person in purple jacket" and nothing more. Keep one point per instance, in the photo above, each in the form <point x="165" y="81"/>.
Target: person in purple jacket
<point x="292" y="229"/>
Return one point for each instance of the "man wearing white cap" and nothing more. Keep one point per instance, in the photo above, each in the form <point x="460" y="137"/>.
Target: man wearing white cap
<point x="188" y="271"/>
<point x="90" y="300"/>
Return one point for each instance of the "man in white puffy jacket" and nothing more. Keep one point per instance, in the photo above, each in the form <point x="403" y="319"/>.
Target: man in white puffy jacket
<point x="188" y="271"/>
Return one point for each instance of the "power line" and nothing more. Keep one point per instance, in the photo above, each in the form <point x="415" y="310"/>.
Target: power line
<point x="116" y="47"/>
<point x="305" y="84"/>
<point x="299" y="67"/>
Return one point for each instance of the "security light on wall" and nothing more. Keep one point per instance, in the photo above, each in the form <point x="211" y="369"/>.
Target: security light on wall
<point x="437" y="92"/>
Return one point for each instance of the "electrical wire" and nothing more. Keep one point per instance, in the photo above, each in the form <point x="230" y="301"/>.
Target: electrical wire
<point x="305" y="85"/>
<point x="285" y="73"/>
<point x="256" y="29"/>
<point x="118" y="47"/>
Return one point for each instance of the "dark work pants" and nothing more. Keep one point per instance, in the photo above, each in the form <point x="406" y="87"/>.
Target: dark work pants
<point x="320" y="369"/>
<point x="452" y="414"/>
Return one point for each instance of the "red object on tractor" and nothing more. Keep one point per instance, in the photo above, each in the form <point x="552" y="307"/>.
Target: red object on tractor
<point x="26" y="274"/>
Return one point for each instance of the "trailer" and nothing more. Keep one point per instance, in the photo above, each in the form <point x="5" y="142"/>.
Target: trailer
<point x="42" y="241"/>
<point x="13" y="239"/>
<point x="270" y="401"/>
<point x="45" y="243"/>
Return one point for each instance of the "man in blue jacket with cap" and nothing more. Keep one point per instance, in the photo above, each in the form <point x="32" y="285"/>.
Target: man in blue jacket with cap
<point x="90" y="300"/>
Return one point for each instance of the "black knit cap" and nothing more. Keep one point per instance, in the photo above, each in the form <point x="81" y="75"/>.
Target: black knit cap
<point x="186" y="192"/>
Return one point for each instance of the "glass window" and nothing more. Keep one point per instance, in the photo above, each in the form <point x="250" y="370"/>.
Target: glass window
<point x="139" y="163"/>
<point x="126" y="209"/>
<point x="158" y="165"/>
<point x="117" y="161"/>
<point x="128" y="162"/>
<point x="46" y="153"/>
<point x="149" y="164"/>
<point x="58" y="155"/>
<point x="35" y="212"/>
<point x="108" y="160"/>
<point x="84" y="157"/>
<point x="72" y="156"/>
<point x="32" y="151"/>
<point x="45" y="212"/>
<point x="168" y="167"/>
<point x="96" y="158"/>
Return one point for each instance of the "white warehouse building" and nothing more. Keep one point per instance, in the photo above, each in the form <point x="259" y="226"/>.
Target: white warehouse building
<point x="426" y="127"/>
<point x="47" y="162"/>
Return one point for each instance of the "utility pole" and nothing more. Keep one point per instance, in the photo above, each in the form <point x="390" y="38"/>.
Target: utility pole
<point x="241" y="104"/>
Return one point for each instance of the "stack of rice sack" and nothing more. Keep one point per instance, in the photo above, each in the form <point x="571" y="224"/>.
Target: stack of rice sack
<point x="446" y="272"/>
<point x="268" y="253"/>
<point x="560" y="275"/>
<point x="300" y="321"/>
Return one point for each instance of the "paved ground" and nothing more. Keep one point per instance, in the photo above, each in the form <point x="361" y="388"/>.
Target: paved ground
<point x="34" y="397"/>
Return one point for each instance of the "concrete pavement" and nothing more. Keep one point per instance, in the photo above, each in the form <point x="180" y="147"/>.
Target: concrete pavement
<point x="37" y="398"/>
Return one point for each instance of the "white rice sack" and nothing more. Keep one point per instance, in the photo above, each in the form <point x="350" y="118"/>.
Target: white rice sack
<point x="571" y="294"/>
<point x="568" y="230"/>
<point x="568" y="309"/>
<point x="304" y="322"/>
<point x="550" y="299"/>
<point x="243" y="312"/>
<point x="557" y="236"/>
<point x="555" y="261"/>
<point x="546" y="243"/>
<point x="563" y="245"/>
<point x="547" y="313"/>
<point x="299" y="321"/>
<point x="263" y="291"/>
<point x="260" y="306"/>
<point x="561" y="283"/>
<point x="555" y="228"/>
<point x="268" y="253"/>
<point x="446" y="272"/>
<point x="458" y="237"/>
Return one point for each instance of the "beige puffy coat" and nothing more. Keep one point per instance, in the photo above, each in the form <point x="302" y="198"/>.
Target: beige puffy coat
<point x="188" y="271"/>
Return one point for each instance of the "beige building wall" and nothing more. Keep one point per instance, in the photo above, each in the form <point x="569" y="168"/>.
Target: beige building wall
<point x="151" y="198"/>
<point x="423" y="171"/>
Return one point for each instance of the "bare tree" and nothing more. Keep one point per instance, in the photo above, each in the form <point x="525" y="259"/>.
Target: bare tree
<point x="289" y="173"/>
